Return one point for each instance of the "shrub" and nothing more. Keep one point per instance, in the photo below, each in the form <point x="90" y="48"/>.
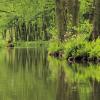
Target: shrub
<point x="55" y="45"/>
<point x="81" y="47"/>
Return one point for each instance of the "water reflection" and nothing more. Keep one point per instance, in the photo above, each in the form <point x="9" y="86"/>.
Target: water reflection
<point x="29" y="74"/>
<point x="76" y="81"/>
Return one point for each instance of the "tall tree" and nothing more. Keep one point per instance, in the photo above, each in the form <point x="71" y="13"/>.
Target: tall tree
<point x="61" y="17"/>
<point x="96" y="26"/>
<point x="75" y="12"/>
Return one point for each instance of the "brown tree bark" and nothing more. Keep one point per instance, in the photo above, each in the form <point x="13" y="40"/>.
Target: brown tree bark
<point x="76" y="6"/>
<point x="61" y="17"/>
<point x="96" y="24"/>
<point x="73" y="10"/>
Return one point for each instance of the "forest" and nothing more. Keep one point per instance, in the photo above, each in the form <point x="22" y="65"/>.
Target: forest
<point x="71" y="27"/>
<point x="49" y="49"/>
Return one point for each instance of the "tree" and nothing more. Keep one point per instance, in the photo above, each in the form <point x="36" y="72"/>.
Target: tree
<point x="96" y="24"/>
<point x="61" y="17"/>
<point x="75" y="12"/>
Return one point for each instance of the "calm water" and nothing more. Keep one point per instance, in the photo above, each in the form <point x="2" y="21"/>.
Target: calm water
<point x="29" y="74"/>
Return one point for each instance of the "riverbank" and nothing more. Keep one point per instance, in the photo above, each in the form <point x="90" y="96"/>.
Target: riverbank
<point x="23" y="44"/>
<point x="76" y="49"/>
<point x="30" y="44"/>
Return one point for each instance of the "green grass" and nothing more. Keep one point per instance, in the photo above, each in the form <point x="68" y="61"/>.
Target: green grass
<point x="24" y="44"/>
<point x="30" y="44"/>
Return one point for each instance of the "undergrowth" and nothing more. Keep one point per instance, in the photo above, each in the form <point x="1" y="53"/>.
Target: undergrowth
<point x="79" y="46"/>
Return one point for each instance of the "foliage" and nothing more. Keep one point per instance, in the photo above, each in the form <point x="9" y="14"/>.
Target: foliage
<point x="81" y="47"/>
<point x="55" y="45"/>
<point x="85" y="5"/>
<point x="13" y="13"/>
<point x="84" y="27"/>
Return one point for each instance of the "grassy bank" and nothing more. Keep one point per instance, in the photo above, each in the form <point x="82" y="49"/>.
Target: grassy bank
<point x="23" y="44"/>
<point x="2" y="43"/>
<point x="30" y="44"/>
<point x="78" y="48"/>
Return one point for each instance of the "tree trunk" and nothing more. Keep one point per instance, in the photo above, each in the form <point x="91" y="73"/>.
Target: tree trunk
<point x="61" y="17"/>
<point x="96" y="29"/>
<point x="75" y="12"/>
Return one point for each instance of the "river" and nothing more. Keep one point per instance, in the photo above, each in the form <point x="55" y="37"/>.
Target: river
<point x="30" y="74"/>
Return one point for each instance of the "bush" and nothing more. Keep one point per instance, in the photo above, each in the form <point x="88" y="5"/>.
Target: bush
<point x="81" y="47"/>
<point x="77" y="47"/>
<point x="55" y="45"/>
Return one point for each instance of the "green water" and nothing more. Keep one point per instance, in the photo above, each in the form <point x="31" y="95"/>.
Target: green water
<point x="29" y="74"/>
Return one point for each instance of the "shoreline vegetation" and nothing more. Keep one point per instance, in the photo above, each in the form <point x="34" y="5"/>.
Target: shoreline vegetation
<point x="70" y="28"/>
<point x="23" y="44"/>
<point x="77" y="49"/>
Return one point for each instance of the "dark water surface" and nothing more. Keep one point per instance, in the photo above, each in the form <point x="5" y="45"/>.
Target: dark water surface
<point x="29" y="74"/>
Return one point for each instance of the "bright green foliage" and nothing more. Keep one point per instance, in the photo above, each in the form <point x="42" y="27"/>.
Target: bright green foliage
<point x="13" y="13"/>
<point x="77" y="46"/>
<point x="85" y="6"/>
<point x="85" y="27"/>
<point x="55" y="45"/>
<point x="81" y="47"/>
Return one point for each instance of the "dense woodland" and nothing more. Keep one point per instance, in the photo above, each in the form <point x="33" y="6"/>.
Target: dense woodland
<point x="49" y="49"/>
<point x="72" y="27"/>
<point x="26" y="20"/>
